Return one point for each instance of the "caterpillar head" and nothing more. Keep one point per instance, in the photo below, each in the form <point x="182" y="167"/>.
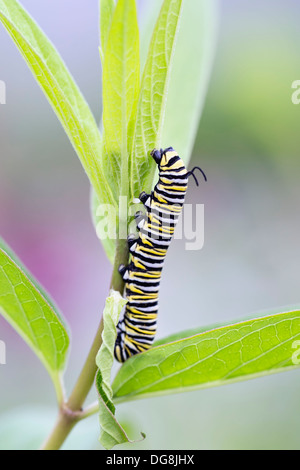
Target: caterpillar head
<point x="163" y="157"/>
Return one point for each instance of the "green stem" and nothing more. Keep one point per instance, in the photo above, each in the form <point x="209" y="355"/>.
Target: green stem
<point x="87" y="376"/>
<point x="122" y="255"/>
<point x="62" y="428"/>
<point x="71" y="412"/>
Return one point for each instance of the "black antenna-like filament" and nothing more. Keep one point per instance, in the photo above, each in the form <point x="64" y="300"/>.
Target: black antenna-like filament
<point x="192" y="173"/>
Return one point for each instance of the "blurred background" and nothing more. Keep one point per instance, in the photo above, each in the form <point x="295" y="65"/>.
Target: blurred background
<point x="247" y="143"/>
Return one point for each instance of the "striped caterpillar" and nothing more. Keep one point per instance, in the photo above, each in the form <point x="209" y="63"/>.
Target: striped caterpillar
<point x="137" y="329"/>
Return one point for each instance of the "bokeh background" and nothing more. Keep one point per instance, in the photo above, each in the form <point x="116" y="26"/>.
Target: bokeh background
<point x="248" y="144"/>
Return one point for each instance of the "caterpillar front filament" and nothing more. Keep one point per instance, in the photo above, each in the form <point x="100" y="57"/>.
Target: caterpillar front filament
<point x="136" y="331"/>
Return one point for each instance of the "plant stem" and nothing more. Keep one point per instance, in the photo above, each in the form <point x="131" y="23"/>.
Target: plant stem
<point x="87" y="376"/>
<point x="61" y="430"/>
<point x="71" y="412"/>
<point x="122" y="255"/>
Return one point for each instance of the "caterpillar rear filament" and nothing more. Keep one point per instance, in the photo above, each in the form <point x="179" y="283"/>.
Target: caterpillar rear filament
<point x="136" y="331"/>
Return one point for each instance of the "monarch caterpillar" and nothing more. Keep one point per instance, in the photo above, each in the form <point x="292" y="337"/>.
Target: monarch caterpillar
<point x="136" y="331"/>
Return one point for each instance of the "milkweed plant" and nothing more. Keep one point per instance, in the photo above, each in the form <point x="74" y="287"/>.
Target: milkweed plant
<point x="153" y="92"/>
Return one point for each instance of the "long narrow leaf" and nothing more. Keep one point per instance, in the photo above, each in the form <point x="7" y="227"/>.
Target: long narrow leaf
<point x="107" y="8"/>
<point x="121" y="77"/>
<point x="60" y="89"/>
<point x="153" y="96"/>
<point x="193" y="60"/>
<point x="191" y="69"/>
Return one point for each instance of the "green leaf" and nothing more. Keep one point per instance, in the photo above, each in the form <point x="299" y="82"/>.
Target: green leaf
<point x="112" y="432"/>
<point x="32" y="315"/>
<point x="202" y="329"/>
<point x="153" y="96"/>
<point x="60" y="89"/>
<point x="121" y="80"/>
<point x="245" y="350"/>
<point x="106" y="218"/>
<point x="191" y="70"/>
<point x="107" y="8"/>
